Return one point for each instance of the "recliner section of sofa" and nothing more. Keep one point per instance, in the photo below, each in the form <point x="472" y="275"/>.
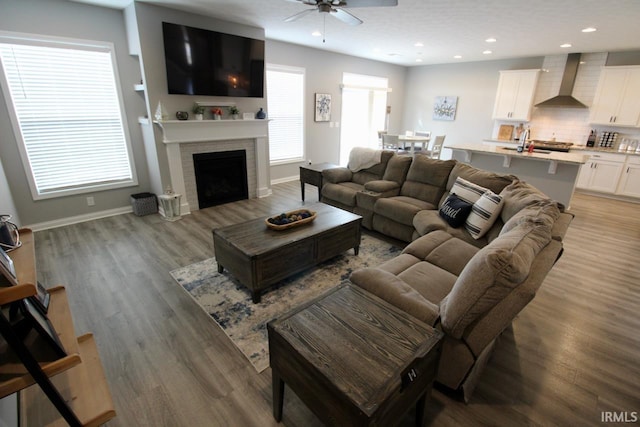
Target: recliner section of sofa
<point x="473" y="293"/>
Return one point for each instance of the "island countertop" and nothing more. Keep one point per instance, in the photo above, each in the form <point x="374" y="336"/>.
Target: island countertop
<point x="540" y="155"/>
<point x="552" y="172"/>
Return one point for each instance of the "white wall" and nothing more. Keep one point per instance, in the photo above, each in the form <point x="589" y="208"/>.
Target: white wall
<point x="7" y="206"/>
<point x="324" y="74"/>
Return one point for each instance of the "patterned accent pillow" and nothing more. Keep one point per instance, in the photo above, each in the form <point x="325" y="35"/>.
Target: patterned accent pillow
<point x="455" y="211"/>
<point x="467" y="191"/>
<point x="483" y="214"/>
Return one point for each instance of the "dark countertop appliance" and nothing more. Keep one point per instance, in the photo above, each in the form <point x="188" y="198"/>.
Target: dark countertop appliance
<point x="552" y="145"/>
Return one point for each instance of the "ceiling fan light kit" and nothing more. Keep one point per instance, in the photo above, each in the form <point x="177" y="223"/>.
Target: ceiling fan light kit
<point x="335" y="8"/>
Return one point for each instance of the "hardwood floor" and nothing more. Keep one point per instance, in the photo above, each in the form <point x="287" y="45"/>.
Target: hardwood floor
<point x="571" y="354"/>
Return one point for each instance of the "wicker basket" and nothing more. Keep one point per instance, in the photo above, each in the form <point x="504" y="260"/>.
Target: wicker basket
<point x="292" y="224"/>
<point x="144" y="203"/>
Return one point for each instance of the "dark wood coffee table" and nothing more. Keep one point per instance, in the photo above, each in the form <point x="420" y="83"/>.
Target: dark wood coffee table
<point x="353" y="359"/>
<point x="260" y="257"/>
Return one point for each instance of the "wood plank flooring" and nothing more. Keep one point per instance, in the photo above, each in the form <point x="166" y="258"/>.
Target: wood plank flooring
<point x="571" y="354"/>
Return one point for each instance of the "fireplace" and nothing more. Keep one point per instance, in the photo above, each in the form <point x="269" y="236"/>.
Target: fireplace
<point x="221" y="177"/>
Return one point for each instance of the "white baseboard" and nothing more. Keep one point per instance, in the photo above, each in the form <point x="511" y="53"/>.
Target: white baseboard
<point x="285" y="179"/>
<point x="79" y="218"/>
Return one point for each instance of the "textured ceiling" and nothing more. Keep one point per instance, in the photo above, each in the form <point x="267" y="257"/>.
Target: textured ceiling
<point x="445" y="27"/>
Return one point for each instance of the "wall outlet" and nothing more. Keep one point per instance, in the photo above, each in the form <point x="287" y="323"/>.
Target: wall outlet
<point x="91" y="201"/>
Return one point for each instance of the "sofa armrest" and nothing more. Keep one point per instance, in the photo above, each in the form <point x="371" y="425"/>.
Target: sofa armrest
<point x="382" y="186"/>
<point x="337" y="175"/>
<point x="396" y="292"/>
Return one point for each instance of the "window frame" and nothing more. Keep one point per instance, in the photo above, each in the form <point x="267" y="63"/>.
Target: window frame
<point x="8" y="37"/>
<point x="303" y="72"/>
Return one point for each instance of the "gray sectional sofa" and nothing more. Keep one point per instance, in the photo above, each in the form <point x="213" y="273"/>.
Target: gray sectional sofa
<point x="470" y="285"/>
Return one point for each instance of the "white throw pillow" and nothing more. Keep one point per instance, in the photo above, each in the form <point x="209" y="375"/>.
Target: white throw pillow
<point x="467" y="191"/>
<point x="483" y="214"/>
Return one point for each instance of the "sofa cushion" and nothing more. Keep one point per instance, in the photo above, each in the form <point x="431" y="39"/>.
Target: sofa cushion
<point x="337" y="175"/>
<point x="490" y="275"/>
<point x="396" y="292"/>
<point x="543" y="213"/>
<point x="397" y="169"/>
<point x="382" y="186"/>
<point x="401" y="209"/>
<point x="443" y="250"/>
<point x="427" y="178"/>
<point x="490" y="180"/>
<point x="431" y="281"/>
<point x="374" y="172"/>
<point x="455" y="210"/>
<point x="519" y="195"/>
<point x="428" y="221"/>
<point x="484" y="213"/>
<point x="344" y="192"/>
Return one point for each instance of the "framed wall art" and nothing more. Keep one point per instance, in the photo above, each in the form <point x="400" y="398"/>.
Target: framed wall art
<point x="323" y="107"/>
<point x="445" y="108"/>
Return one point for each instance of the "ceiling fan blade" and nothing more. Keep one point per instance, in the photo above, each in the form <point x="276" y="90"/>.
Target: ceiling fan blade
<point x="309" y="2"/>
<point x="345" y="17"/>
<point x="369" y="3"/>
<point x="299" y="15"/>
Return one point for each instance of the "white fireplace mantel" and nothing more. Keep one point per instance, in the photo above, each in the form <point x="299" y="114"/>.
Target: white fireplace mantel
<point x="176" y="132"/>
<point x="179" y="131"/>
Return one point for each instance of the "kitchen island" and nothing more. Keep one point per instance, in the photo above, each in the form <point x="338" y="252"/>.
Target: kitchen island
<point x="554" y="173"/>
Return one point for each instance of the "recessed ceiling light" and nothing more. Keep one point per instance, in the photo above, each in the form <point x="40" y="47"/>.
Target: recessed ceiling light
<point x="418" y="44"/>
<point x="457" y="56"/>
<point x="418" y="59"/>
<point x="588" y="30"/>
<point x="566" y="45"/>
<point x="316" y="34"/>
<point x="491" y="40"/>
<point x="487" y="52"/>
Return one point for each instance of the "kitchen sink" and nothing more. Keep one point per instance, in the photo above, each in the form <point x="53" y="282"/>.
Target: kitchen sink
<point x="535" y="150"/>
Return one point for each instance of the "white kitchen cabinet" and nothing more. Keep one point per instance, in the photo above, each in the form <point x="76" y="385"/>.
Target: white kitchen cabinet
<point x="514" y="98"/>
<point x="617" y="99"/>
<point x="630" y="180"/>
<point x="601" y="173"/>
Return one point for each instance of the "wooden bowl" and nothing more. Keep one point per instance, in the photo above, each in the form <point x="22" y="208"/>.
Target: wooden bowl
<point x="292" y="224"/>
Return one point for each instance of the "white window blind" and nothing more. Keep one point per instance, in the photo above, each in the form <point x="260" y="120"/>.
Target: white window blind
<point x="285" y="88"/>
<point x="68" y="115"/>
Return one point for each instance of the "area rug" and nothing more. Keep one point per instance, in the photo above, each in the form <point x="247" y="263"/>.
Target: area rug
<point x="229" y="303"/>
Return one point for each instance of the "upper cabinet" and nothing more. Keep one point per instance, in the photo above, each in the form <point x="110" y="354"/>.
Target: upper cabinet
<point x="617" y="100"/>
<point x="515" y="95"/>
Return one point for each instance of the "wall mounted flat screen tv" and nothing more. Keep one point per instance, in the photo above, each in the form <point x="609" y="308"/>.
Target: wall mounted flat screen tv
<point x="204" y="62"/>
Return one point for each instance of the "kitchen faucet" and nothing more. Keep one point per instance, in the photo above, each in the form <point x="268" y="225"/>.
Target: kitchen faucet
<point x="523" y="139"/>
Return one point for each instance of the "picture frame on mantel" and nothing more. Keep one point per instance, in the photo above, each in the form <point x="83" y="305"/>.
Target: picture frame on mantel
<point x="323" y="107"/>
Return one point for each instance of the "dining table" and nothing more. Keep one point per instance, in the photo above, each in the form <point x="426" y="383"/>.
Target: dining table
<point x="411" y="140"/>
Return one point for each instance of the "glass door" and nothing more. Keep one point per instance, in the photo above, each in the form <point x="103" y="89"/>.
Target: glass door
<point x="364" y="100"/>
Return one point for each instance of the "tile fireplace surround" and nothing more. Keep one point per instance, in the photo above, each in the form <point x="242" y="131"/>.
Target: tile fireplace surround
<point x="182" y="138"/>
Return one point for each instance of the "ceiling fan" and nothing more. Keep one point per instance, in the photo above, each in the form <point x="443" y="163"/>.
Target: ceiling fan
<point x="336" y="8"/>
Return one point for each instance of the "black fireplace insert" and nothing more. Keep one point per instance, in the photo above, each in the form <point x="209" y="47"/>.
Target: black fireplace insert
<point x="221" y="177"/>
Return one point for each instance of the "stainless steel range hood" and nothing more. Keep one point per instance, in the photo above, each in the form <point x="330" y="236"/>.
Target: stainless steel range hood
<point x="564" y="98"/>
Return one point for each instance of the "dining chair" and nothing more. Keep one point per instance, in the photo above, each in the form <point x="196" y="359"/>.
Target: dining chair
<point x="380" y="133"/>
<point x="435" y="151"/>
<point x="390" y="141"/>
<point x="424" y="133"/>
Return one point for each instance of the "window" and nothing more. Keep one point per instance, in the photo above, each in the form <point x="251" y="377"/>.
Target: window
<point x="285" y="88"/>
<point x="64" y="101"/>
<point x="364" y="100"/>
